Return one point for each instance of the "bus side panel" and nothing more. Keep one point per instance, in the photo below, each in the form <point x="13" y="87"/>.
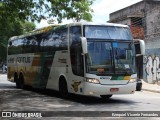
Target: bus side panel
<point x="62" y="67"/>
<point x="19" y="63"/>
<point x="34" y="67"/>
<point x="43" y="69"/>
<point x="58" y="68"/>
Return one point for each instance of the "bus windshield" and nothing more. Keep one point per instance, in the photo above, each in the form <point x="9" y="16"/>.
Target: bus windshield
<point x="110" y="57"/>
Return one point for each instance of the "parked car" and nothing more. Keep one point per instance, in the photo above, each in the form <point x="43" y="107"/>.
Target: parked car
<point x="139" y="85"/>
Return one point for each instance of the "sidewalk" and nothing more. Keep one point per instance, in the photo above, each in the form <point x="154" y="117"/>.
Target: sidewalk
<point x="150" y="87"/>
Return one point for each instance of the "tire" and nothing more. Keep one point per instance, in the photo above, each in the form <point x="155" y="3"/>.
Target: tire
<point x="63" y="89"/>
<point x="139" y="88"/>
<point x="106" y="96"/>
<point x="20" y="82"/>
<point x="17" y="81"/>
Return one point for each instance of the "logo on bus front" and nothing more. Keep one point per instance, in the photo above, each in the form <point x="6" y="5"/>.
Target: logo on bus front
<point x="75" y="86"/>
<point x="106" y="77"/>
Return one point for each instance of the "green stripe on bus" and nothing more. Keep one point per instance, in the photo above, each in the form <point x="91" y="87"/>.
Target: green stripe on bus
<point x="44" y="71"/>
<point x="117" y="78"/>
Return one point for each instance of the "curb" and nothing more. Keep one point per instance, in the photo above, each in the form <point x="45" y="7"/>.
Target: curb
<point x="155" y="91"/>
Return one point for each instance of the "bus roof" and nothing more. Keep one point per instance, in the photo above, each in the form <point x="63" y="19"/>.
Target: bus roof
<point x="34" y="32"/>
<point x="94" y="23"/>
<point x="48" y="28"/>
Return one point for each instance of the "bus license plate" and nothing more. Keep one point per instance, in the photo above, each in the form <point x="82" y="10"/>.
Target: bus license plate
<point x="114" y="89"/>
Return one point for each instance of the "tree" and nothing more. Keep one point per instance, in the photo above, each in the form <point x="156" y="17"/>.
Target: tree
<point x="28" y="26"/>
<point x="35" y="9"/>
<point x="15" y="12"/>
<point x="9" y="29"/>
<point x="71" y="9"/>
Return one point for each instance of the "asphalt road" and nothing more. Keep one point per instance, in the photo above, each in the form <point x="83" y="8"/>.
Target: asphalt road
<point x="50" y="104"/>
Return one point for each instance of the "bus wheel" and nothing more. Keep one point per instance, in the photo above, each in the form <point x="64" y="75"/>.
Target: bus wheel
<point x="63" y="90"/>
<point x="16" y="80"/>
<point x="21" y="81"/>
<point x="106" y="96"/>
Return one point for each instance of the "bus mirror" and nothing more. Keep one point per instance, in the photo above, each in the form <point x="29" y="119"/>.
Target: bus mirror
<point x="84" y="45"/>
<point x="140" y="47"/>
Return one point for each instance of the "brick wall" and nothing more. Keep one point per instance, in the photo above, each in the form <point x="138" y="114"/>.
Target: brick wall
<point x="137" y="32"/>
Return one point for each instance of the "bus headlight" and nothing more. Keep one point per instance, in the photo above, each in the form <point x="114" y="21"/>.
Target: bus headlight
<point x="93" y="80"/>
<point x="132" y="80"/>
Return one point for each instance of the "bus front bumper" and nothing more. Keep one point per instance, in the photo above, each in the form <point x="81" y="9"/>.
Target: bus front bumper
<point x="98" y="89"/>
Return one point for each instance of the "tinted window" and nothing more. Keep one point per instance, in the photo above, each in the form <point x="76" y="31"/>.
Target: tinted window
<point x="108" y="32"/>
<point x="76" y="51"/>
<point x="16" y="46"/>
<point x="30" y="44"/>
<point x="55" y="40"/>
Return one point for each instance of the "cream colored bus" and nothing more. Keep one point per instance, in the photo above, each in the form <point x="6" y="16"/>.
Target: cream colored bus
<point x="82" y="58"/>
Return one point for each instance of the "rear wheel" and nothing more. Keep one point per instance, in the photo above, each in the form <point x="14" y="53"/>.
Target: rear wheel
<point x="21" y="79"/>
<point x="16" y="80"/>
<point x="20" y="82"/>
<point x="106" y="96"/>
<point x="63" y="89"/>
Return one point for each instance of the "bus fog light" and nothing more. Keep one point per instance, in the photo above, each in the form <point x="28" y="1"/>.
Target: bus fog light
<point x="132" y="80"/>
<point x="93" y="80"/>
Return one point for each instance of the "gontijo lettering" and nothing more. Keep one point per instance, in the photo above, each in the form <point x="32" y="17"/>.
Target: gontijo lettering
<point x="20" y="60"/>
<point x="23" y="59"/>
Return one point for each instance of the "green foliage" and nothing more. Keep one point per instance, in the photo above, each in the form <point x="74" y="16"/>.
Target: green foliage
<point x="28" y="26"/>
<point x="71" y="9"/>
<point x="36" y="9"/>
<point x="14" y="13"/>
<point x="9" y="29"/>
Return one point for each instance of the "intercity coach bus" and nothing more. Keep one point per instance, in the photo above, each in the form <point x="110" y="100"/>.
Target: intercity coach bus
<point x="81" y="58"/>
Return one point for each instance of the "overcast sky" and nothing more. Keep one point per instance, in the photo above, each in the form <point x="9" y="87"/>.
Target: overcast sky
<point x="102" y="9"/>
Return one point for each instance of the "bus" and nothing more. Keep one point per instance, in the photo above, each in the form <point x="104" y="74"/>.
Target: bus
<point x="82" y="58"/>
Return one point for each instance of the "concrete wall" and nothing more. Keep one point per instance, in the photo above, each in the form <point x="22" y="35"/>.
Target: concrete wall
<point x="151" y="62"/>
<point x="123" y="14"/>
<point x="126" y="21"/>
<point x="152" y="40"/>
<point x="152" y="19"/>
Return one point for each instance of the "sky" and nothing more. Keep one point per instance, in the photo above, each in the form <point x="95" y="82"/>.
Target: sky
<point x="102" y="9"/>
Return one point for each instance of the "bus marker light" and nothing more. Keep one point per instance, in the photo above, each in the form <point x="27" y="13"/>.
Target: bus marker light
<point x="114" y="89"/>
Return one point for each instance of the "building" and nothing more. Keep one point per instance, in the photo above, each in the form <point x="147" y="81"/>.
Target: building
<point x="144" y="21"/>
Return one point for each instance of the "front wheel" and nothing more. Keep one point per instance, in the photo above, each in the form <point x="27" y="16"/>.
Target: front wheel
<point x="106" y="96"/>
<point x="63" y="89"/>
